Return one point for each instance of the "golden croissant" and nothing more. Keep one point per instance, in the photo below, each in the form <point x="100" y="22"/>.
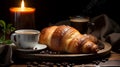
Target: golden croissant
<point x="65" y="38"/>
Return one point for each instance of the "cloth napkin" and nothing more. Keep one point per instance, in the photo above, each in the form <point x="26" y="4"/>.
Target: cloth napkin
<point x="5" y="55"/>
<point x="104" y="28"/>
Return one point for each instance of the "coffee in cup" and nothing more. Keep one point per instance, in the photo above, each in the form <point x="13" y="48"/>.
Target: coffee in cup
<point x="25" y="38"/>
<point x="80" y="23"/>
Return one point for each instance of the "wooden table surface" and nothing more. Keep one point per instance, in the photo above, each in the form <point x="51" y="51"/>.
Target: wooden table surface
<point x="113" y="59"/>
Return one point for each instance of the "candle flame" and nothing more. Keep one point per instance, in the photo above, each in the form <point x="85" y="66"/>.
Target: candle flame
<point x="22" y="4"/>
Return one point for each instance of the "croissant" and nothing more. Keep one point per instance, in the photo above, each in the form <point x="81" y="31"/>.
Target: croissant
<point x="65" y="38"/>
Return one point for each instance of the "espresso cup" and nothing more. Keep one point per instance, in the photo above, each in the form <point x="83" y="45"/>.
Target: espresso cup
<point x="80" y="23"/>
<point x="25" y="38"/>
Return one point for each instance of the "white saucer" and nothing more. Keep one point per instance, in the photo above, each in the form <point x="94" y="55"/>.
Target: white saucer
<point x="36" y="48"/>
<point x="39" y="47"/>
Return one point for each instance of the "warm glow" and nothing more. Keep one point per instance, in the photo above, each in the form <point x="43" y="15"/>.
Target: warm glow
<point x="22" y="8"/>
<point x="22" y="4"/>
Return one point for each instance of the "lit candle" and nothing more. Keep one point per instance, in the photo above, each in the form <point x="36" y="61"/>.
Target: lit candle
<point x="23" y="17"/>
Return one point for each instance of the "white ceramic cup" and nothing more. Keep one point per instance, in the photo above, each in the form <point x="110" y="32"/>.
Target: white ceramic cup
<point x="25" y="38"/>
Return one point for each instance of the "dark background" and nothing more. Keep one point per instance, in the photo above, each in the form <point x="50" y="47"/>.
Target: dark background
<point x="52" y="11"/>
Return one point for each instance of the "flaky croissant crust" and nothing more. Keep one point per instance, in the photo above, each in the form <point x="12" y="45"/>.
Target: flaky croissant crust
<point x="67" y="39"/>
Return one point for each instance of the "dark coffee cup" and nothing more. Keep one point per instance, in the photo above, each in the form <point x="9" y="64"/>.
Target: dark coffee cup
<point x="80" y="23"/>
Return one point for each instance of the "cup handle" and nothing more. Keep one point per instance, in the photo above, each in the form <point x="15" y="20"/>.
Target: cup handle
<point x="13" y="38"/>
<point x="90" y="27"/>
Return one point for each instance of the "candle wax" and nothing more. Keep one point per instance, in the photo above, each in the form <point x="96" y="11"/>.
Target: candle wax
<point x="18" y="9"/>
